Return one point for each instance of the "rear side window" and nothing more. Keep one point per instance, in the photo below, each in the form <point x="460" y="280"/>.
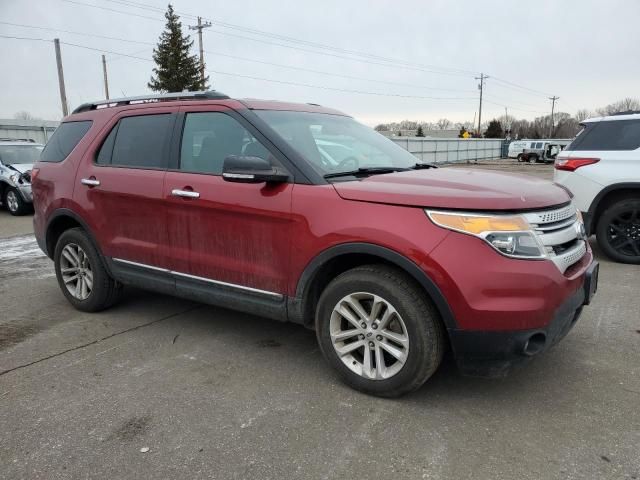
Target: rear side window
<point x="139" y="141"/>
<point x="611" y="135"/>
<point x="64" y="140"/>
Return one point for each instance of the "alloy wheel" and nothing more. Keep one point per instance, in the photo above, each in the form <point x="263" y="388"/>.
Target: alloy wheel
<point x="623" y="232"/>
<point x="369" y="336"/>
<point x="12" y="201"/>
<point x="76" y="271"/>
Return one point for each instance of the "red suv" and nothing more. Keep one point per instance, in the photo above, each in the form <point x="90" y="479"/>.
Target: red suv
<point x="299" y="213"/>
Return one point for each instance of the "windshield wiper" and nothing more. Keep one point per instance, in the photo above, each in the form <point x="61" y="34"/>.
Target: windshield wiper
<point x="423" y="166"/>
<point x="365" y="171"/>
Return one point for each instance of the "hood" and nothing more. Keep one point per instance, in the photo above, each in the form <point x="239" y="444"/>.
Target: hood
<point x="21" y="167"/>
<point x="455" y="188"/>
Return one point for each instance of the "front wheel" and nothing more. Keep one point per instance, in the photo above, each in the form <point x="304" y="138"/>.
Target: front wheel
<point x="380" y="332"/>
<point x="618" y="231"/>
<point x="81" y="273"/>
<point x="14" y="203"/>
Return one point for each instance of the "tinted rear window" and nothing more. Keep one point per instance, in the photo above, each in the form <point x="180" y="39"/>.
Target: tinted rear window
<point x="141" y="142"/>
<point x="64" y="140"/>
<point x="611" y="135"/>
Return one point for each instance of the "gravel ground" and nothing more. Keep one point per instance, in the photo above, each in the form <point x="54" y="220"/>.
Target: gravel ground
<point x="159" y="387"/>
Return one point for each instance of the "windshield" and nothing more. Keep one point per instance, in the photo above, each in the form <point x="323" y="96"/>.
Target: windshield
<point x="333" y="143"/>
<point x="15" y="154"/>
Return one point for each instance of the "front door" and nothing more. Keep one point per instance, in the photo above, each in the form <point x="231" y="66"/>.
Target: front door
<point x="230" y="235"/>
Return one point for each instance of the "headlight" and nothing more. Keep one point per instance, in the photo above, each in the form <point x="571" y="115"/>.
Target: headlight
<point x="511" y="235"/>
<point x="14" y="178"/>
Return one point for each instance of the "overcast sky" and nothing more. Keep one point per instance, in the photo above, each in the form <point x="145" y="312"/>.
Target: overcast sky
<point x="585" y="52"/>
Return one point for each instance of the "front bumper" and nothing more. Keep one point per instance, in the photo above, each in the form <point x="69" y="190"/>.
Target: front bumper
<point x="25" y="192"/>
<point x="493" y="353"/>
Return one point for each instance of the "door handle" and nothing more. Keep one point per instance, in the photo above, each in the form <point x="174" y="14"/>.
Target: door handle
<point x="184" y="193"/>
<point x="90" y="182"/>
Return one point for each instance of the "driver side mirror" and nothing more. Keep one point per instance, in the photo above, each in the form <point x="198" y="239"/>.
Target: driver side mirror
<point x="244" y="169"/>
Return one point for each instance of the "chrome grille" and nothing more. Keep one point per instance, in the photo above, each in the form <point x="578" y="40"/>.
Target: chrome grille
<point x="558" y="231"/>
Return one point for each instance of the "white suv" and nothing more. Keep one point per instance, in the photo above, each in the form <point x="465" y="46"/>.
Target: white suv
<point x="601" y="167"/>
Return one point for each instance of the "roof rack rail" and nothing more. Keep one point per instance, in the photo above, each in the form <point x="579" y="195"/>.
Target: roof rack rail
<point x="118" y="102"/>
<point x="628" y="112"/>
<point x="30" y="140"/>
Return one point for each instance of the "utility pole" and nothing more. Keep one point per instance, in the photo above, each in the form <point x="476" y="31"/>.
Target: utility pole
<point x="482" y="78"/>
<point x="553" y="104"/>
<point x="199" y="28"/>
<point x="63" y="92"/>
<point x="507" y="126"/>
<point x="106" y="81"/>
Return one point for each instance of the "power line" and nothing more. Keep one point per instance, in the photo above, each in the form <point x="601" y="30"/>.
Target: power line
<point x="403" y="64"/>
<point x="286" y="82"/>
<point x="508" y="84"/>
<point x="26" y="38"/>
<point x="320" y="72"/>
<point x="71" y="32"/>
<point x="255" y="31"/>
<point x="324" y="53"/>
<point x="512" y="108"/>
<point x="235" y="57"/>
<point x="293" y="39"/>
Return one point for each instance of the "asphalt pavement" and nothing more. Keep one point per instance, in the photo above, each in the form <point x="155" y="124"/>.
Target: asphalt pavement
<point x="159" y="387"/>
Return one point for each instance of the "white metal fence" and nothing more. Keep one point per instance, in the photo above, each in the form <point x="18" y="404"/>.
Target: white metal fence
<point x="451" y="150"/>
<point x="37" y="130"/>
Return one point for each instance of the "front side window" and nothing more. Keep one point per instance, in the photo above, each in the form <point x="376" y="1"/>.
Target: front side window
<point x="334" y="143"/>
<point x="19" y="154"/>
<point x="210" y="137"/>
<point x="64" y="140"/>
<point x="138" y="142"/>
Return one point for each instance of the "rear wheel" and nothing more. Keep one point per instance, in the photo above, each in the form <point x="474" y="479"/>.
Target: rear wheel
<point x="520" y="158"/>
<point x="376" y="327"/>
<point x="14" y="203"/>
<point x="618" y="231"/>
<point x="81" y="273"/>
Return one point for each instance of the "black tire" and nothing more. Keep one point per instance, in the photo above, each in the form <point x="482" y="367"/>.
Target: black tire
<point x="105" y="291"/>
<point x="14" y="203"/>
<point x="424" y="327"/>
<point x="520" y="157"/>
<point x="533" y="158"/>
<point x="618" y="231"/>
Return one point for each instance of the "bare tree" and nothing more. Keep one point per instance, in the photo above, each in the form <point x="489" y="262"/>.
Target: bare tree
<point x="623" y="105"/>
<point x="583" y="114"/>
<point x="443" y="123"/>
<point x="629" y="103"/>
<point x="24" y="115"/>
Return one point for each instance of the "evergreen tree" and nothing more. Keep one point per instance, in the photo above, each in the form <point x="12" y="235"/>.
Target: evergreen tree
<point x="420" y="132"/>
<point x="176" y="69"/>
<point x="494" y="130"/>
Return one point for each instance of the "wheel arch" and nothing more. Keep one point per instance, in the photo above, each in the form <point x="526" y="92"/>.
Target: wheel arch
<point x="63" y="219"/>
<point x="606" y="197"/>
<point x="340" y="258"/>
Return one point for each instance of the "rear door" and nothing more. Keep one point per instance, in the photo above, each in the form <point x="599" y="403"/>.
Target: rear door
<point x="119" y="185"/>
<point x="230" y="235"/>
